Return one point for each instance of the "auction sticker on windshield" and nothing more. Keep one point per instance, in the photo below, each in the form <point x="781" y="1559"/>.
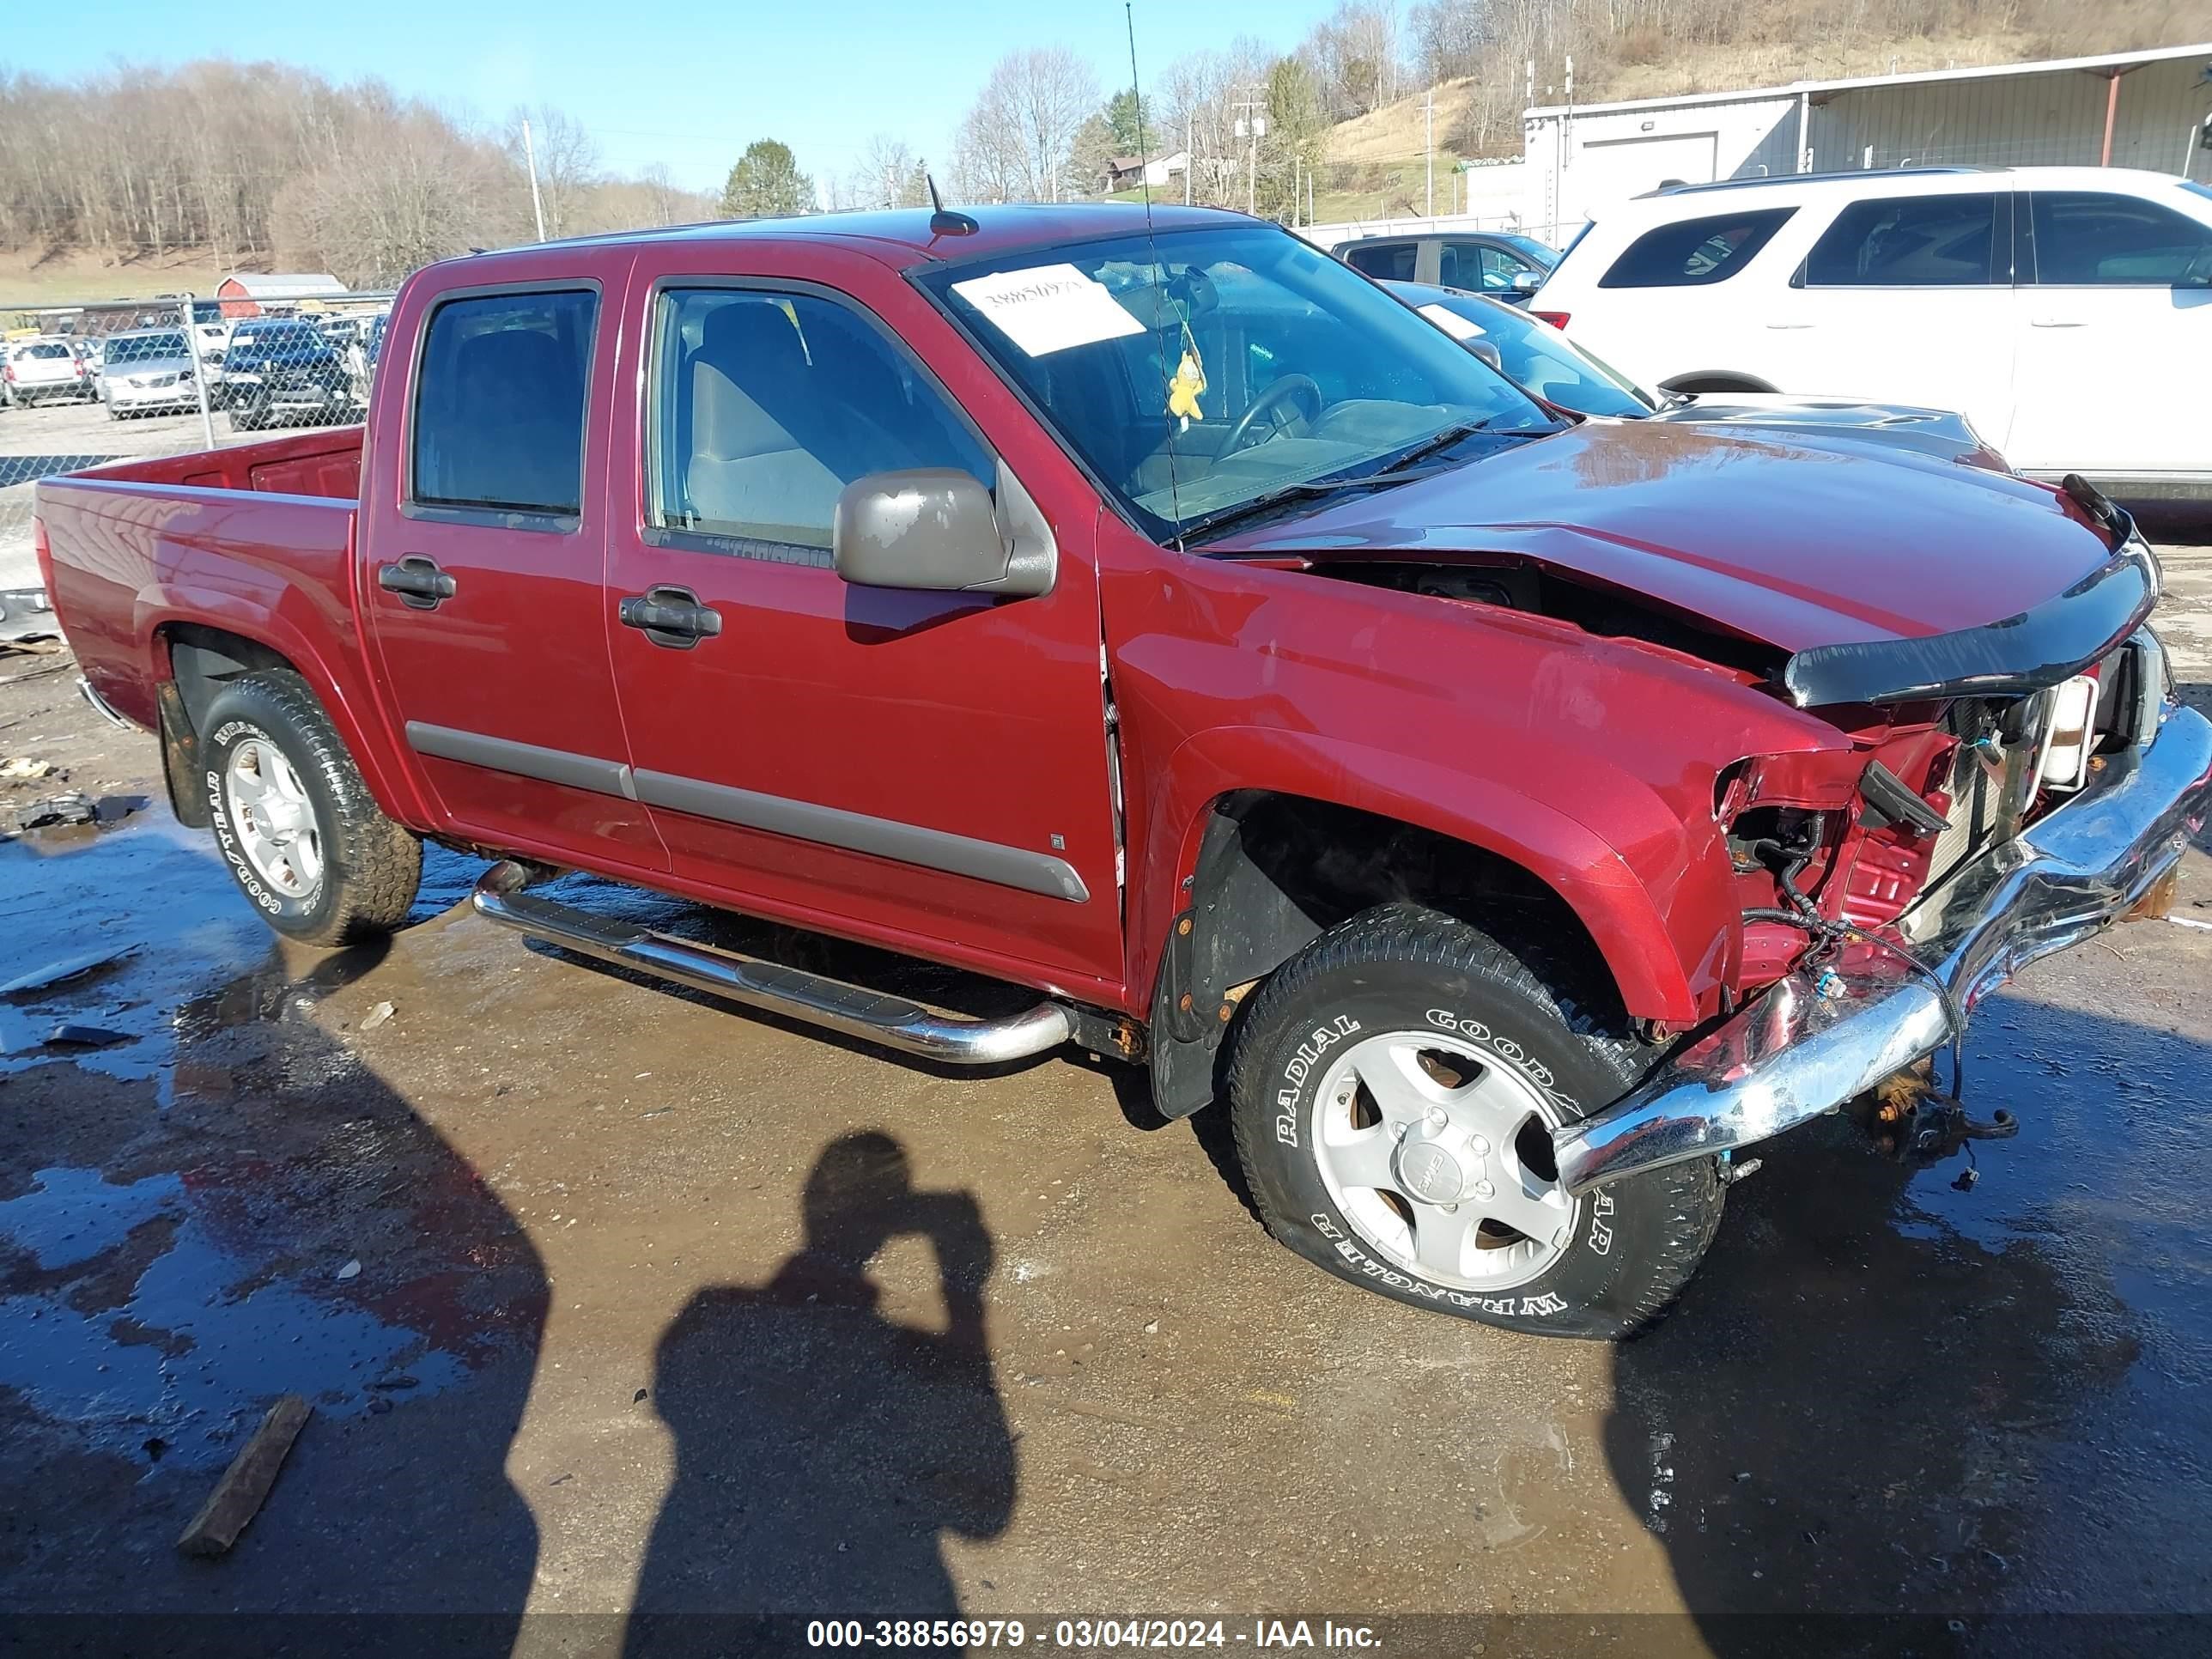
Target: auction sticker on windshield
<point x="1048" y="308"/>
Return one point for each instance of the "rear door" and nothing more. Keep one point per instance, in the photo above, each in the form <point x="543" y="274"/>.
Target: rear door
<point x="1389" y="262"/>
<point x="929" y="770"/>
<point x="483" y="579"/>
<point x="2116" y="335"/>
<point x="1906" y="299"/>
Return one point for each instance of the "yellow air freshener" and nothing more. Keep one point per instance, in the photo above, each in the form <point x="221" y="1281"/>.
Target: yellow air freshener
<point x="1182" y="391"/>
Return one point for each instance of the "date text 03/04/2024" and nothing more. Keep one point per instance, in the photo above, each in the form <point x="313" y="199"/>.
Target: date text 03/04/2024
<point x="1081" y="1635"/>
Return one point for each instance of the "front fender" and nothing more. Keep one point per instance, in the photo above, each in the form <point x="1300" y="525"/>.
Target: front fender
<point x="1650" y="888"/>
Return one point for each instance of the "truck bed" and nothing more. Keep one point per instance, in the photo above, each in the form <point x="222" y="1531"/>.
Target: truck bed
<point x="259" y="537"/>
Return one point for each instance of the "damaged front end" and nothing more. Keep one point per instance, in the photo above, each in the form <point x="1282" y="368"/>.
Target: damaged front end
<point x="2051" y="794"/>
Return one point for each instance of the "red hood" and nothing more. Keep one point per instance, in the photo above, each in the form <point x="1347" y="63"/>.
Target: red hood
<point x="1797" y="547"/>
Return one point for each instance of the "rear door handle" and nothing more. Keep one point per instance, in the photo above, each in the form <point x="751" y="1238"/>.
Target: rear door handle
<point x="2054" y="322"/>
<point x="671" y="616"/>
<point x="1792" y="325"/>
<point x="417" y="581"/>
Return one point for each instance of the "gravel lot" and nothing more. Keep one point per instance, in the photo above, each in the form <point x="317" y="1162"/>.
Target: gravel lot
<point x="610" y="1299"/>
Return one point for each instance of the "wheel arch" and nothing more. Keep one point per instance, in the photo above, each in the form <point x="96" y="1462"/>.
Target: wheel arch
<point x="194" y="661"/>
<point x="1264" y="872"/>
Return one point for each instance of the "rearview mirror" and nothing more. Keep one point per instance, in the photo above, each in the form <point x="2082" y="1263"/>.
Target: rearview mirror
<point x="935" y="528"/>
<point x="1527" y="282"/>
<point x="1488" y="351"/>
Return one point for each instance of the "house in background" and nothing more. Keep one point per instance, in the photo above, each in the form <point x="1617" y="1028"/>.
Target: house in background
<point x="243" y="294"/>
<point x="1128" y="172"/>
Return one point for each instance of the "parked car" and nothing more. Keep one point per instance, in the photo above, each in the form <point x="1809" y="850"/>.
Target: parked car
<point x="149" y="369"/>
<point x="1501" y="263"/>
<point x="1516" y="817"/>
<point x="2066" y="311"/>
<point x="281" y="369"/>
<point x="90" y="352"/>
<point x="43" y="369"/>
<point x="1539" y="358"/>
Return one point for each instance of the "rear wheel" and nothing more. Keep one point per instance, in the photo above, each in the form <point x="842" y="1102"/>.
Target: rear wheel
<point x="296" y="824"/>
<point x="1394" y="1090"/>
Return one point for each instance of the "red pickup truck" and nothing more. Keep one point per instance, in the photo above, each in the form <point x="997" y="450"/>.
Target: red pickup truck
<point x="1513" y="816"/>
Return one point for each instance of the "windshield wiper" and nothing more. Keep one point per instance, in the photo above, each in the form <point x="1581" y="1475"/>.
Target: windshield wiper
<point x="1398" y="472"/>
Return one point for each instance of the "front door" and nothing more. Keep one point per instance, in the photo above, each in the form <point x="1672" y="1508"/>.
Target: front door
<point x="927" y="770"/>
<point x="485" y="587"/>
<point x="2115" y="338"/>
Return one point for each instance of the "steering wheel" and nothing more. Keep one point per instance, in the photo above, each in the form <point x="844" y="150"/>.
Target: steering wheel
<point x="1290" y="386"/>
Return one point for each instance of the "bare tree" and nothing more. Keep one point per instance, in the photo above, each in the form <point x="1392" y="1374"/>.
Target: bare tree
<point x="567" y="160"/>
<point x="888" y="175"/>
<point x="1017" y="140"/>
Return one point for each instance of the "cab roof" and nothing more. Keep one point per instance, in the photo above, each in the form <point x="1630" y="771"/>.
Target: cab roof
<point x="904" y="236"/>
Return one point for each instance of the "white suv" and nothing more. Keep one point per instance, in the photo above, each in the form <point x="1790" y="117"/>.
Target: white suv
<point x="2066" y="311"/>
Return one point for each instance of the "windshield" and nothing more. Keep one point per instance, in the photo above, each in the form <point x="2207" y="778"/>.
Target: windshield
<point x="1533" y="354"/>
<point x="43" y="348"/>
<point x="1203" y="373"/>
<point x="1540" y="253"/>
<point x="144" y="347"/>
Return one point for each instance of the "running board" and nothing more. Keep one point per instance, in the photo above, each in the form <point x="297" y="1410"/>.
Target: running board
<point x="893" y="1022"/>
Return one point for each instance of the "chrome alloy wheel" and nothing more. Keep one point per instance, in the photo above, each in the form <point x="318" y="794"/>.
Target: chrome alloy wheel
<point x="1440" y="1155"/>
<point x="274" y="817"/>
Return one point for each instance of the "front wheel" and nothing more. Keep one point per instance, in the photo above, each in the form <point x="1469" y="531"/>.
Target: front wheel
<point x="302" y="835"/>
<point x="1394" y="1090"/>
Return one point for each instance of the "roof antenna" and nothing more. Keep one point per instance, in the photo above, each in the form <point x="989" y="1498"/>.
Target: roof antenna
<point x="942" y="221"/>
<point x="1159" y="288"/>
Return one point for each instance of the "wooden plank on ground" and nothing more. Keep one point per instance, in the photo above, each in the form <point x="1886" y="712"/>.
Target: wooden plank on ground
<point x="238" y="1497"/>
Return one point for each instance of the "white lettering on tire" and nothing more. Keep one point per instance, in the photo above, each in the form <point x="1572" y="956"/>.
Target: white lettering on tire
<point x="1324" y="1038"/>
<point x="219" y="815"/>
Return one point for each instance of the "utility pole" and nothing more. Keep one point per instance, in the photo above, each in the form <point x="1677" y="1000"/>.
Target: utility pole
<point x="1253" y="125"/>
<point x="1189" y="165"/>
<point x="199" y="368"/>
<point x="530" y="155"/>
<point x="1429" y="145"/>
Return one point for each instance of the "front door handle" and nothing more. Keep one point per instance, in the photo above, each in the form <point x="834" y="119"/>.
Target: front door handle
<point x="2053" y="322"/>
<point x="670" y="616"/>
<point x="417" y="581"/>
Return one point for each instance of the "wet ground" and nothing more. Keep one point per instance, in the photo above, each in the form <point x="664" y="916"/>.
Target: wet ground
<point x="608" y="1299"/>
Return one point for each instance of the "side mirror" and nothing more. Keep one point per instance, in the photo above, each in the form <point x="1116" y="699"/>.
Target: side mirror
<point x="1487" y="351"/>
<point x="1527" y="282"/>
<point x="935" y="528"/>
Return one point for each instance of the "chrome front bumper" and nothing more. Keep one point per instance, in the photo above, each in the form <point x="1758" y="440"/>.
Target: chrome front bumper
<point x="1795" y="1054"/>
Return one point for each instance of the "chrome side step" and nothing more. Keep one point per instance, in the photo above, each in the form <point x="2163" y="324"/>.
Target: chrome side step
<point x="893" y="1022"/>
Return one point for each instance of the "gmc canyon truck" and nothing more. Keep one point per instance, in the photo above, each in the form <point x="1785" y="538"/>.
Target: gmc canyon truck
<point x="1513" y="817"/>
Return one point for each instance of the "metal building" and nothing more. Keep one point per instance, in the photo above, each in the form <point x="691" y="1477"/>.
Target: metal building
<point x="2136" y="109"/>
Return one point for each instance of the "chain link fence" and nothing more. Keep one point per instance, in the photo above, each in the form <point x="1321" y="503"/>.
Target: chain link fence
<point x="85" y="384"/>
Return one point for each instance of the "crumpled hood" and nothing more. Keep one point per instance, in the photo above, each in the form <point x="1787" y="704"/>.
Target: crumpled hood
<point x="1795" y="545"/>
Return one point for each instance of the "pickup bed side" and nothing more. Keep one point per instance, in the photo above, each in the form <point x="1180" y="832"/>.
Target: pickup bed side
<point x="256" y="542"/>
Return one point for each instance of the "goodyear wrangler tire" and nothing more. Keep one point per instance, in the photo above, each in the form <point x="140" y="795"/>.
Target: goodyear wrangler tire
<point x="1391" y="1091"/>
<point x="295" y="825"/>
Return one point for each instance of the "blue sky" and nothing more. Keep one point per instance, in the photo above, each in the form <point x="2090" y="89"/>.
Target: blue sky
<point x="684" y="84"/>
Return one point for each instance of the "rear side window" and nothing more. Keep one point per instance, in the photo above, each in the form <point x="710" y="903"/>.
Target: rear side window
<point x="499" y="404"/>
<point x="2087" y="238"/>
<point x="1695" y="251"/>
<point x="1914" y="241"/>
<point x="1393" y="262"/>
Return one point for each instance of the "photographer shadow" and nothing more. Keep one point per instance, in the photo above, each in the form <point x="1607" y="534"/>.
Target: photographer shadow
<point x="822" y="1449"/>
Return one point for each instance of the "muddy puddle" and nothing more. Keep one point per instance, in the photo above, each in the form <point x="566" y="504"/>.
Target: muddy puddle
<point x="206" y="1200"/>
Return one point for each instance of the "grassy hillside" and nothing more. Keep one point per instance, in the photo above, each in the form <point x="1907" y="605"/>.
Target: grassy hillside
<point x="32" y="278"/>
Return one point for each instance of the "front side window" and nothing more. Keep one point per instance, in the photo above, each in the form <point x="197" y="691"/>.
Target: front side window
<point x="1693" y="253"/>
<point x="1201" y="375"/>
<point x="2089" y="239"/>
<point x="1913" y="241"/>
<point x="1391" y="262"/>
<point x="499" y="403"/>
<point x="767" y="404"/>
